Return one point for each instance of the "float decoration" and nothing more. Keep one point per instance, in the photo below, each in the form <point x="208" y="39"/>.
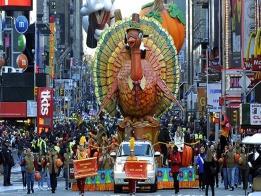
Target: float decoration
<point x="136" y="69"/>
<point x="97" y="15"/>
<point x="170" y="17"/>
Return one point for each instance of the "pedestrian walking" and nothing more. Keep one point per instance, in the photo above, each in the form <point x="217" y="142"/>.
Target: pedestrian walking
<point x="230" y="166"/>
<point x="67" y="159"/>
<point x="200" y="167"/>
<point x="53" y="169"/>
<point x="8" y="162"/>
<point x="29" y="168"/>
<point x="175" y="161"/>
<point x="22" y="165"/>
<point x="210" y="170"/>
<point x="244" y="169"/>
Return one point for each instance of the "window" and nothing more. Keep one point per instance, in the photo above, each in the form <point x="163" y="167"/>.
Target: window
<point x="140" y="150"/>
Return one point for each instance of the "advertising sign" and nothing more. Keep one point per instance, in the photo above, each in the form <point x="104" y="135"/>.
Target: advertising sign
<point x="85" y="167"/>
<point x="255" y="114"/>
<point x="136" y="170"/>
<point x="16" y="5"/>
<point x="44" y="108"/>
<point x="249" y="24"/>
<point x="51" y="46"/>
<point x="21" y="24"/>
<point x="201" y="100"/>
<point x="31" y="108"/>
<point x="214" y="93"/>
<point x="236" y="33"/>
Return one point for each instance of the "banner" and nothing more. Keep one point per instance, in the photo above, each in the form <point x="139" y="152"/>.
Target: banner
<point x="16" y="5"/>
<point x="255" y="114"/>
<point x="214" y="93"/>
<point x="201" y="100"/>
<point x="185" y="174"/>
<point x="249" y="24"/>
<point x="85" y="167"/>
<point x="136" y="169"/>
<point x="44" y="109"/>
<point x="236" y="6"/>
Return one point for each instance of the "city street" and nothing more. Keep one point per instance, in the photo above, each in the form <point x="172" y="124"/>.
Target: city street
<point x="130" y="95"/>
<point x="17" y="190"/>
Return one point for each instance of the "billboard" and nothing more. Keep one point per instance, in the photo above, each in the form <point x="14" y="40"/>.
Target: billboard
<point x="44" y="109"/>
<point x="12" y="110"/>
<point x="16" y="5"/>
<point x="255" y="114"/>
<point x="214" y="93"/>
<point x="236" y="6"/>
<point x="201" y="100"/>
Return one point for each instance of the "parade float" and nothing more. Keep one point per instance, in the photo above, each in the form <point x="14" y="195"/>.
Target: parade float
<point x="136" y="71"/>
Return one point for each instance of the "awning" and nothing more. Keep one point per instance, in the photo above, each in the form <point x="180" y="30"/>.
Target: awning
<point x="13" y="110"/>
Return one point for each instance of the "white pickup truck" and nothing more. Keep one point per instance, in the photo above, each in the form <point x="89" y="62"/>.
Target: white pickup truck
<point x="143" y="151"/>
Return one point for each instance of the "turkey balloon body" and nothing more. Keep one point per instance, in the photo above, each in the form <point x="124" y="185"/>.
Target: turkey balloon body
<point x="136" y="70"/>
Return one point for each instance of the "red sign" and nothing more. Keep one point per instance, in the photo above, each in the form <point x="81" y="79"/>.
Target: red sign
<point x="13" y="110"/>
<point x="136" y="170"/>
<point x="16" y="4"/>
<point x="85" y="167"/>
<point x="253" y="63"/>
<point x="44" y="108"/>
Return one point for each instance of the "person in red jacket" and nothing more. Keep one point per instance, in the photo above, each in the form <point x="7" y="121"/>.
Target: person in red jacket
<point x="175" y="161"/>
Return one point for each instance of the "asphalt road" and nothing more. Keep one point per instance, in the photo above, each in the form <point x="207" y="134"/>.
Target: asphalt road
<point x="17" y="189"/>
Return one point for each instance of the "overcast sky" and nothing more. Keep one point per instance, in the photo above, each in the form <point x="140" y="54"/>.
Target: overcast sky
<point x="129" y="6"/>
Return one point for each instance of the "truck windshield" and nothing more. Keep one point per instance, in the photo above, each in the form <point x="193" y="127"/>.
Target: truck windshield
<point x="140" y="150"/>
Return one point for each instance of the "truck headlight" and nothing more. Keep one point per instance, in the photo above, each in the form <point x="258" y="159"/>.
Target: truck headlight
<point x="118" y="166"/>
<point x="150" y="167"/>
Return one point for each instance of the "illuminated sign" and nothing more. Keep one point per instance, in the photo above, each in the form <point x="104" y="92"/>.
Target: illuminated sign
<point x="44" y="108"/>
<point x="16" y="5"/>
<point x="21" y="24"/>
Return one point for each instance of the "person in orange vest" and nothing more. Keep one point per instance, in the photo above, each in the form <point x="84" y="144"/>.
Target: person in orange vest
<point x="132" y="157"/>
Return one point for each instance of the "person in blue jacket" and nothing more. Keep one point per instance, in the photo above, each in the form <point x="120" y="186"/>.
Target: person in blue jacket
<point x="200" y="167"/>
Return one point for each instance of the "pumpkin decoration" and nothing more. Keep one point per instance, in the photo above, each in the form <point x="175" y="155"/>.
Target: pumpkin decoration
<point x="37" y="176"/>
<point x="186" y="158"/>
<point x="59" y="163"/>
<point x="170" y="17"/>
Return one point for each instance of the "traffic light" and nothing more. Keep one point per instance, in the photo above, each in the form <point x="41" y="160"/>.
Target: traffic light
<point x="235" y="116"/>
<point x="61" y="92"/>
<point x="35" y="91"/>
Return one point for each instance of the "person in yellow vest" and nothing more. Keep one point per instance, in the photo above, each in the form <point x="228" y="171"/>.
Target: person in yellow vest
<point x="81" y="154"/>
<point x="132" y="157"/>
<point x="42" y="146"/>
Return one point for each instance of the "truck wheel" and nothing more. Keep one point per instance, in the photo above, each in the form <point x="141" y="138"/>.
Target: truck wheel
<point x="117" y="188"/>
<point x="154" y="186"/>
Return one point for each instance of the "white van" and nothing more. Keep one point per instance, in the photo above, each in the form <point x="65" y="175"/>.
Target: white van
<point x="143" y="151"/>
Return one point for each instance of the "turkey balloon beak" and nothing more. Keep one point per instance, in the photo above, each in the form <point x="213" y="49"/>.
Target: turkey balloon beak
<point x="131" y="41"/>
